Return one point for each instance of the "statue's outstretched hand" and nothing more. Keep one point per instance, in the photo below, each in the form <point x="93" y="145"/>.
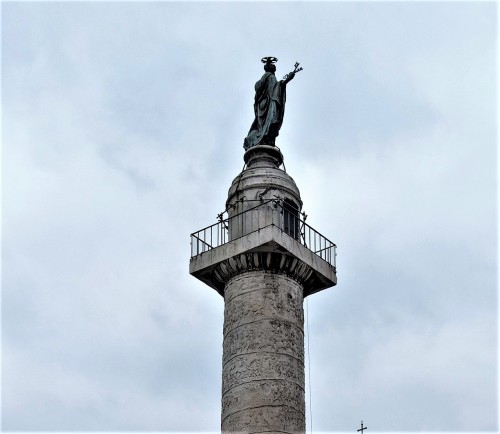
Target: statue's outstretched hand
<point x="288" y="77"/>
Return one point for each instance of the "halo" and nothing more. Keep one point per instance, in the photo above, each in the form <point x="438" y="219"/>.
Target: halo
<point x="269" y="59"/>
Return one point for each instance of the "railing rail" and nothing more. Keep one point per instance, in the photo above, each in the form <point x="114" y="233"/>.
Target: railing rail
<point x="268" y="213"/>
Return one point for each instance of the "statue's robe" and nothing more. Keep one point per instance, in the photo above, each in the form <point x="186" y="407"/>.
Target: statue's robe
<point x="269" y="108"/>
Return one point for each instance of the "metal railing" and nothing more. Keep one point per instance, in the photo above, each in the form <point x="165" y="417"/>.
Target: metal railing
<point x="268" y="213"/>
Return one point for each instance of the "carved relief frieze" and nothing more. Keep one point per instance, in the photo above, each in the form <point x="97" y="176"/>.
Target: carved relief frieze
<point x="260" y="366"/>
<point x="270" y="418"/>
<point x="260" y="393"/>
<point x="271" y="336"/>
<point x="254" y="298"/>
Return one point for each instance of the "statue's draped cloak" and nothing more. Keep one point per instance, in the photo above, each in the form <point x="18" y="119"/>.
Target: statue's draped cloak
<point x="269" y="108"/>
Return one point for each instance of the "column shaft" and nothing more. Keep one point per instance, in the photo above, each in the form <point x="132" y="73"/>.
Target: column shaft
<point x="263" y="354"/>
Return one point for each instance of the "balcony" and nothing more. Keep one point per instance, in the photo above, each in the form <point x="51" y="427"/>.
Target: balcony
<point x="270" y="213"/>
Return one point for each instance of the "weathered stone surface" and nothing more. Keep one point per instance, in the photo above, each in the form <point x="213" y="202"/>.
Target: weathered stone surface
<point x="263" y="354"/>
<point x="261" y="181"/>
<point x="275" y="261"/>
<point x="256" y="300"/>
<point x="264" y="336"/>
<point x="266" y="392"/>
<point x="261" y="366"/>
<point x="263" y="270"/>
<point x="263" y="249"/>
<point x="269" y="419"/>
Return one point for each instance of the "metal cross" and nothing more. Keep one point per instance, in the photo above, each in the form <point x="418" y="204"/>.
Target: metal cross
<point x="362" y="428"/>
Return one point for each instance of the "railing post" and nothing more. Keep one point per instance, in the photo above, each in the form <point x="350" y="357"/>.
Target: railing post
<point x="273" y="213"/>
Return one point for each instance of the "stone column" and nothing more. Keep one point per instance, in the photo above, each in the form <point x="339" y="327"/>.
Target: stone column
<point x="263" y="269"/>
<point x="263" y="355"/>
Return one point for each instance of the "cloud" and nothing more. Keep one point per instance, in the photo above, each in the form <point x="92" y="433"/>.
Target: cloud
<point x="123" y="129"/>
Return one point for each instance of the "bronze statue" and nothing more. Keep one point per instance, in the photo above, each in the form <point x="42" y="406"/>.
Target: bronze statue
<point x="269" y="105"/>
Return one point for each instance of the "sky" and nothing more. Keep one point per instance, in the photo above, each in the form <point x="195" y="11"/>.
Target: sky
<point x="122" y="130"/>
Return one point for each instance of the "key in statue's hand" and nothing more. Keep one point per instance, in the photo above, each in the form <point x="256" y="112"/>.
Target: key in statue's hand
<point x="290" y="75"/>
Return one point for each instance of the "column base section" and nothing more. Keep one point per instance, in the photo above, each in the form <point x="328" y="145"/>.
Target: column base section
<point x="265" y="419"/>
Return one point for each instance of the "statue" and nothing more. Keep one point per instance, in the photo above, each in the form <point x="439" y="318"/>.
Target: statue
<point x="269" y="105"/>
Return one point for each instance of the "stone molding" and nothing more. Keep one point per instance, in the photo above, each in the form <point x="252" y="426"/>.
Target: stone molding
<point x="265" y="155"/>
<point x="251" y="252"/>
<point x="273" y="262"/>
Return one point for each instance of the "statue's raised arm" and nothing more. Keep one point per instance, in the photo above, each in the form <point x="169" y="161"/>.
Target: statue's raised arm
<point x="269" y="105"/>
<point x="290" y="75"/>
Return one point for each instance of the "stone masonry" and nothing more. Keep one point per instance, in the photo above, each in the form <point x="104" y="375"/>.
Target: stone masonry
<point x="263" y="358"/>
<point x="263" y="272"/>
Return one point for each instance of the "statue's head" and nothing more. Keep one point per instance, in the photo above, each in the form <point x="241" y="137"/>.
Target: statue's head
<point x="269" y="65"/>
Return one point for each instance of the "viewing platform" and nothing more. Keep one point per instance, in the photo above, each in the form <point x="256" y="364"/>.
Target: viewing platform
<point x="273" y="230"/>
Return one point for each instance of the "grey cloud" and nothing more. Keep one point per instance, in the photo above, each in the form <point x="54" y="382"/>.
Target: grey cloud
<point x="123" y="128"/>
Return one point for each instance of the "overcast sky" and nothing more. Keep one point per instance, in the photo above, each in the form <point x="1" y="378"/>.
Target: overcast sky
<point x="123" y="126"/>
